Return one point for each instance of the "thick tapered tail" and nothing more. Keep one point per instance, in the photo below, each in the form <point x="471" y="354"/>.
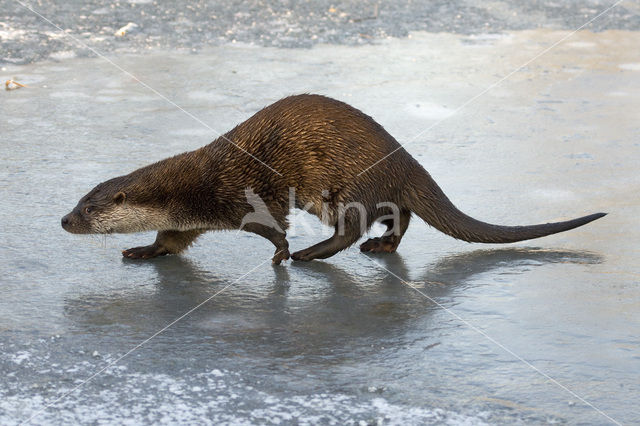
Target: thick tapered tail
<point x="427" y="200"/>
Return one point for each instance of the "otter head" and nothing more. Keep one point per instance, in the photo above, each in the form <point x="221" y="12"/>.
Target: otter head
<point x="109" y="208"/>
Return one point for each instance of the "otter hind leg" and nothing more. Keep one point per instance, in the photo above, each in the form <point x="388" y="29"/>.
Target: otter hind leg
<point x="167" y="242"/>
<point x="276" y="237"/>
<point x="389" y="241"/>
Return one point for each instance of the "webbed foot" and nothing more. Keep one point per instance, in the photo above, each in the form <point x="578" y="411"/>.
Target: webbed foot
<point x="279" y="256"/>
<point x="378" y="245"/>
<point x="304" y="255"/>
<point x="145" y="252"/>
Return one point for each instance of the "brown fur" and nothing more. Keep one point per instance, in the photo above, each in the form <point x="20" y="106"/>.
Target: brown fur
<point x="316" y="144"/>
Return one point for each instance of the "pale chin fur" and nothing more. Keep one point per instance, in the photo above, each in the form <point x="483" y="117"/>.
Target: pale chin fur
<point x="130" y="219"/>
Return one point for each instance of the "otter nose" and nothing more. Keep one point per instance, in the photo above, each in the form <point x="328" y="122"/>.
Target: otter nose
<point x="65" y="221"/>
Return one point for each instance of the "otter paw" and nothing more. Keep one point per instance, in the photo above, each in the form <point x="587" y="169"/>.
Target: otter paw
<point x="377" y="245"/>
<point x="280" y="256"/>
<point x="146" y="252"/>
<point x="303" y="255"/>
<point x="370" y="244"/>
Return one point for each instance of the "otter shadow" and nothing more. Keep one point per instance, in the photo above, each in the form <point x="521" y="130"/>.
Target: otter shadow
<point x="311" y="309"/>
<point x="382" y="302"/>
<point x="457" y="270"/>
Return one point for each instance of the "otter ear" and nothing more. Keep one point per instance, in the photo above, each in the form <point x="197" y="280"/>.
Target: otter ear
<point x="119" y="197"/>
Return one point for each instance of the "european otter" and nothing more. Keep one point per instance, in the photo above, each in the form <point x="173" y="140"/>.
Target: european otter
<point x="319" y="147"/>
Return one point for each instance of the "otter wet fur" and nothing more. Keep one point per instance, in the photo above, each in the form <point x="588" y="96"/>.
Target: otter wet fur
<point x="318" y="146"/>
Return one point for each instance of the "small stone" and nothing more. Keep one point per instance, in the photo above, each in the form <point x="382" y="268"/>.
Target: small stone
<point x="130" y="27"/>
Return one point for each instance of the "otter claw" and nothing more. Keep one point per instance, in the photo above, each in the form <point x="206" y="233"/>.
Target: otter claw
<point x="378" y="245"/>
<point x="302" y="255"/>
<point x="146" y="252"/>
<point x="280" y="256"/>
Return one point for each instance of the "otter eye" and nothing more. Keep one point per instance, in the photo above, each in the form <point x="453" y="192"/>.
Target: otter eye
<point x="88" y="210"/>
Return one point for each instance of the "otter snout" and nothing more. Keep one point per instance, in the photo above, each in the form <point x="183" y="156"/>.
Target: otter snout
<point x="66" y="222"/>
<point x="74" y="224"/>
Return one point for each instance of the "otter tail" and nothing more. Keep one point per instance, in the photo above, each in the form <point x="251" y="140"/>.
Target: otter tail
<point x="428" y="201"/>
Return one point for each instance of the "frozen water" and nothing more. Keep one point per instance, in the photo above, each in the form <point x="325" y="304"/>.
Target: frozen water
<point x="340" y="341"/>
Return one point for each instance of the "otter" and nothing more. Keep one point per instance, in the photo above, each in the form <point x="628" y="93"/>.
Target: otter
<point x="319" y="147"/>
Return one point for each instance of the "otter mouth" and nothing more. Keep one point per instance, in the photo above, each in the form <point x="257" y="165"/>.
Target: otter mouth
<point x="75" y="230"/>
<point x="71" y="224"/>
<point x="85" y="231"/>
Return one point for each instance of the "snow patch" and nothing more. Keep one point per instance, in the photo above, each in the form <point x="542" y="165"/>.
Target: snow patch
<point x="20" y="357"/>
<point x="8" y="33"/>
<point x="630" y="67"/>
<point x="429" y="110"/>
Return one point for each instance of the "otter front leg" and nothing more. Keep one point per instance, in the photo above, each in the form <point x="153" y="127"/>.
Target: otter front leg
<point x="167" y="242"/>
<point x="277" y="238"/>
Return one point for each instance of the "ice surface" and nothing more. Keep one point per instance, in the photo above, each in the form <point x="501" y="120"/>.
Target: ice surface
<point x="306" y="343"/>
